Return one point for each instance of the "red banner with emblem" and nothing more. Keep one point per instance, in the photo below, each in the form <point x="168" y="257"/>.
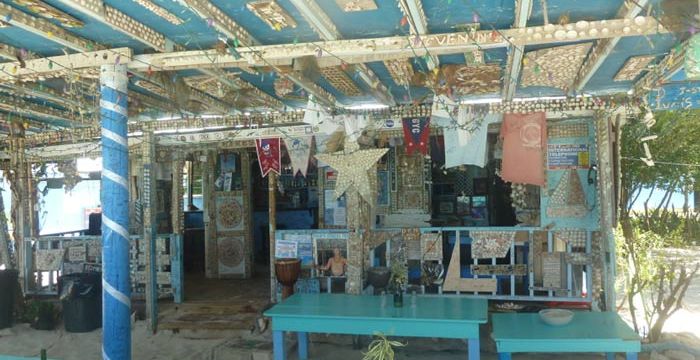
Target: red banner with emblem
<point x="269" y="155"/>
<point x="416" y="133"/>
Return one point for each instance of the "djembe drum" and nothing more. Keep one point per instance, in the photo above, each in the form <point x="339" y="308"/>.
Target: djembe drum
<point x="287" y="272"/>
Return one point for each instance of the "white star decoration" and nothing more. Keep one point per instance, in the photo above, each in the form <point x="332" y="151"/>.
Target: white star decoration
<point x="353" y="170"/>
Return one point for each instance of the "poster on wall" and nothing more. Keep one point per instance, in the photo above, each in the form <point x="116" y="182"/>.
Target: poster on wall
<point x="286" y="249"/>
<point x="334" y="209"/>
<point x="304" y="247"/>
<point x="568" y="156"/>
<point x="228" y="174"/>
<point x="229" y="213"/>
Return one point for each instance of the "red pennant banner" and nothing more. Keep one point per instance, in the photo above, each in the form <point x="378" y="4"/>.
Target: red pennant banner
<point x="269" y="155"/>
<point x="416" y="133"/>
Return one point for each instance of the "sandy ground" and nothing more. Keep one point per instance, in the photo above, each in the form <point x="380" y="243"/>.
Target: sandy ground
<point x="234" y="345"/>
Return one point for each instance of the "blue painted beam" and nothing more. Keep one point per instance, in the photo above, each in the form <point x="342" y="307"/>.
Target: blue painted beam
<point x="116" y="288"/>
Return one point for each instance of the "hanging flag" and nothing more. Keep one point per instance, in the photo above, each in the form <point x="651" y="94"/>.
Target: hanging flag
<point x="299" y="150"/>
<point x="466" y="137"/>
<point x="269" y="155"/>
<point x="416" y="132"/>
<point x="524" y="140"/>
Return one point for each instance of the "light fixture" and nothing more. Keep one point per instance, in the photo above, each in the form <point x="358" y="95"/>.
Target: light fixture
<point x="374" y="106"/>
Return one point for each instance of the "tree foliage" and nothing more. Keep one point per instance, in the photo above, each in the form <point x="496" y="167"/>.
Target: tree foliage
<point x="658" y="283"/>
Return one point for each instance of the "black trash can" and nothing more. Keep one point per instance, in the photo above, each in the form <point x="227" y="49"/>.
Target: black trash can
<point x="8" y="288"/>
<point x="81" y="298"/>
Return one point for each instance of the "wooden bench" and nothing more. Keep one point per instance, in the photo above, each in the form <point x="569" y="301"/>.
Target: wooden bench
<point x="588" y="332"/>
<point x="435" y="317"/>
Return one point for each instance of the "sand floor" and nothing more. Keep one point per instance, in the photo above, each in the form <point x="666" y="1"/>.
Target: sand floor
<point x="237" y="342"/>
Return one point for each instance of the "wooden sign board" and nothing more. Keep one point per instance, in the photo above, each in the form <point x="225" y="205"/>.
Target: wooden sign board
<point x="517" y="269"/>
<point x="675" y="97"/>
<point x="454" y="282"/>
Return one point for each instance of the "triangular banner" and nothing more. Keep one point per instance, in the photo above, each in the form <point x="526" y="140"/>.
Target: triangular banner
<point x="269" y="155"/>
<point x="416" y="133"/>
<point x="299" y="150"/>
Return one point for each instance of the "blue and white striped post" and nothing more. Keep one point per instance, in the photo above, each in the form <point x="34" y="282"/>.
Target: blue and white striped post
<point x="116" y="288"/>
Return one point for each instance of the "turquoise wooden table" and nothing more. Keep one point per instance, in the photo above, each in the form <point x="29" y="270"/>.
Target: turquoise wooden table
<point x="439" y="317"/>
<point x="588" y="332"/>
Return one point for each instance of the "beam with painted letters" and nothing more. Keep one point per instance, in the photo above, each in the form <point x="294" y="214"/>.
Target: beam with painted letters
<point x="395" y="47"/>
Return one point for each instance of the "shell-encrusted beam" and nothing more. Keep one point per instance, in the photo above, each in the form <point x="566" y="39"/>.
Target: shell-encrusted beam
<point x="398" y="47"/>
<point x="9" y="52"/>
<point x="43" y="68"/>
<point x="28" y="108"/>
<point x="515" y="55"/>
<point x="214" y="87"/>
<point x="220" y="21"/>
<point x="160" y="11"/>
<point x="413" y="11"/>
<point x="45" y="28"/>
<point x="317" y="18"/>
<point x="45" y="10"/>
<point x="603" y="47"/>
<point x="152" y="85"/>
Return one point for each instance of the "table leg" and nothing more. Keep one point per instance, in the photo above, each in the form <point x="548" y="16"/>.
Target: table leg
<point x="278" y="345"/>
<point x="303" y="340"/>
<point x="504" y="356"/>
<point x="631" y="356"/>
<point x="610" y="356"/>
<point x="474" y="351"/>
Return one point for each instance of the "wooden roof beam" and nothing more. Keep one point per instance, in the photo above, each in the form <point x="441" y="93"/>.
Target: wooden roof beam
<point x="603" y="47"/>
<point x="230" y="28"/>
<point x="26" y="108"/>
<point x="515" y="55"/>
<point x="324" y="26"/>
<point x="389" y="48"/>
<point x="45" y="29"/>
<point x="219" y="20"/>
<point x="417" y="24"/>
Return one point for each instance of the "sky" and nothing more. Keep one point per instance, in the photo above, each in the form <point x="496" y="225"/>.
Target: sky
<point x="676" y="200"/>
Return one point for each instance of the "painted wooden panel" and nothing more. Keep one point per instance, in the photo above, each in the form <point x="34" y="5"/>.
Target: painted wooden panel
<point x="675" y="96"/>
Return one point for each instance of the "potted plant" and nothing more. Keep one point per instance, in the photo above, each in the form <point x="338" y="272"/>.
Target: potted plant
<point x="381" y="348"/>
<point x="399" y="278"/>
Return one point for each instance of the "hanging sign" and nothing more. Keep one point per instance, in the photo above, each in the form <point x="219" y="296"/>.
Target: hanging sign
<point x="416" y="133"/>
<point x="269" y="156"/>
<point x="675" y="97"/>
<point x="299" y="150"/>
<point x="568" y="156"/>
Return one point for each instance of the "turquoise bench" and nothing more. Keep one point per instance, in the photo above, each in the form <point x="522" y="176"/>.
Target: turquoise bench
<point x="435" y="317"/>
<point x="589" y="332"/>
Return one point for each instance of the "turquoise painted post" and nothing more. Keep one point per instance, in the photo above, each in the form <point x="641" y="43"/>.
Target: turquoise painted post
<point x="176" y="268"/>
<point x="116" y="288"/>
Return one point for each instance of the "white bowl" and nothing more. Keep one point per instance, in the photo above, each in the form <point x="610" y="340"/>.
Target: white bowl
<point x="556" y="317"/>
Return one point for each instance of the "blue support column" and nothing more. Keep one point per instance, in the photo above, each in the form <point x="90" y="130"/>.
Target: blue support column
<point x="116" y="287"/>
